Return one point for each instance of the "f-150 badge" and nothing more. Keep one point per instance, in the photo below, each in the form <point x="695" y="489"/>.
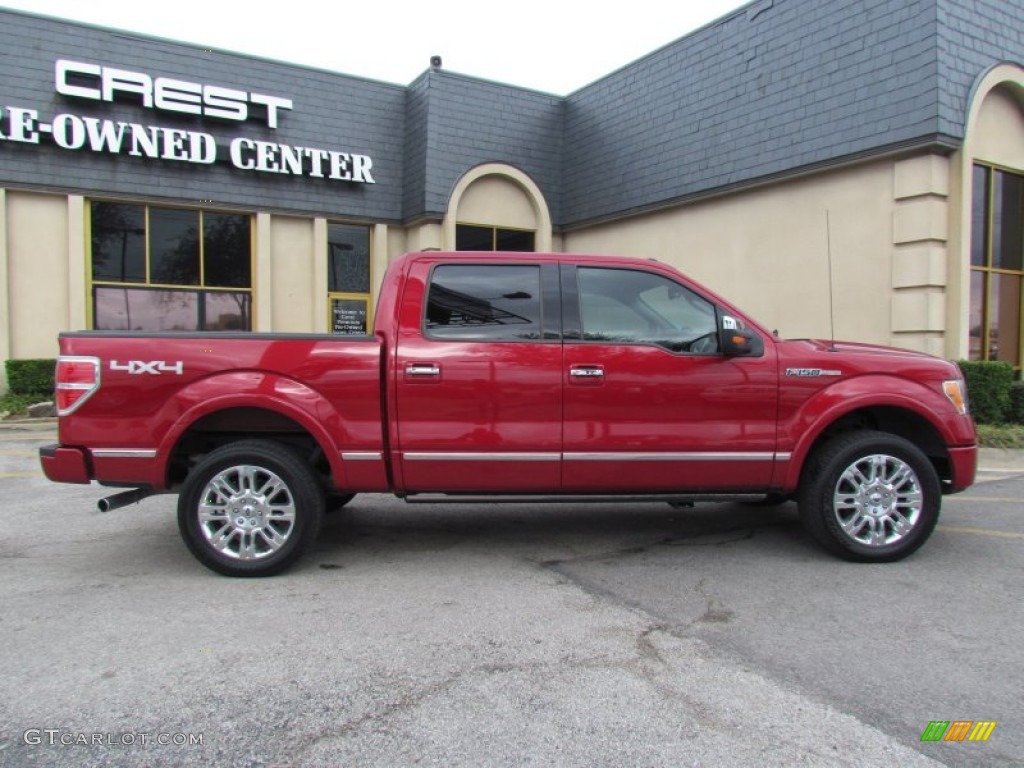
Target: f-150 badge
<point x="811" y="372"/>
<point x="154" y="367"/>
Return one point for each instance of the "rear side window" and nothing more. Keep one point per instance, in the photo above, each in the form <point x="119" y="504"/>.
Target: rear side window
<point x="472" y="302"/>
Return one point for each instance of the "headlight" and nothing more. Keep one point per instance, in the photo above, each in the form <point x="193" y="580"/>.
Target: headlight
<point x="956" y="391"/>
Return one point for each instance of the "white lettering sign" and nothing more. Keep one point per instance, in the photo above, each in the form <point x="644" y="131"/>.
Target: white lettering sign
<point x="77" y="132"/>
<point x="82" y="80"/>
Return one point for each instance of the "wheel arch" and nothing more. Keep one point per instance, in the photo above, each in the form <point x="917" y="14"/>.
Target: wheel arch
<point x="895" y="419"/>
<point x="872" y="496"/>
<point x="209" y="419"/>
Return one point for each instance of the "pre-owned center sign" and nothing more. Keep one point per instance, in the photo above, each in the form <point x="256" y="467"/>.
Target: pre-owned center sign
<point x="94" y="82"/>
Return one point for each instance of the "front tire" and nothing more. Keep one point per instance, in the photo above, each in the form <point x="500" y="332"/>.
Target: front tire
<point x="870" y="497"/>
<point x="250" y="508"/>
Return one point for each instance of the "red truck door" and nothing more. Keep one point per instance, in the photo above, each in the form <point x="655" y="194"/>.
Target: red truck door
<point x="651" y="405"/>
<point x="478" y="378"/>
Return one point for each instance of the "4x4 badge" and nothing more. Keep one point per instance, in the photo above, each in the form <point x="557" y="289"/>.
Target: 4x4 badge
<point x="155" y="367"/>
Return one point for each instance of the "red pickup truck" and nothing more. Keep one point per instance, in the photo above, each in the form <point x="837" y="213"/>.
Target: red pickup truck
<point x="513" y="377"/>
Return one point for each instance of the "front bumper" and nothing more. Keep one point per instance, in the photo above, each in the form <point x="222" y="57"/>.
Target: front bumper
<point x="963" y="465"/>
<point x="65" y="465"/>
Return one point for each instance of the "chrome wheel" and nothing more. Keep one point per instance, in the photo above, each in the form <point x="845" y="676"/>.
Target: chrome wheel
<point x="246" y="512"/>
<point x="870" y="496"/>
<point x="250" y="508"/>
<point x="878" y="500"/>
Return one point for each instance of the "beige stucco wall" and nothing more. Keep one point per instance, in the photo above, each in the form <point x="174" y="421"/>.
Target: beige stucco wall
<point x="497" y="195"/>
<point x="291" y="273"/>
<point x="767" y="249"/>
<point x="38" y="302"/>
<point x="999" y="131"/>
<point x="497" y="202"/>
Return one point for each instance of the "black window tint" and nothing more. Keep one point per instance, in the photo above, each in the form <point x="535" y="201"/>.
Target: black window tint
<point x="119" y="242"/>
<point x="513" y="240"/>
<point x="497" y="303"/>
<point x="632" y="306"/>
<point x="226" y="250"/>
<point x="1008" y="222"/>
<point x="348" y="257"/>
<point x="173" y="246"/>
<point x="469" y="238"/>
<point x="979" y="216"/>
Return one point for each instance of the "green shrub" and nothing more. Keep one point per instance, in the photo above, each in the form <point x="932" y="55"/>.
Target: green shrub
<point x="17" y="405"/>
<point x="1015" y="413"/>
<point x="31" y="377"/>
<point x="1001" y="436"/>
<point x="988" y="389"/>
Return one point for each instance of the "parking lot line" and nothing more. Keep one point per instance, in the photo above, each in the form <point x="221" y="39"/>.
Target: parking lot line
<point x="981" y="532"/>
<point x="986" y="499"/>
<point x="14" y="475"/>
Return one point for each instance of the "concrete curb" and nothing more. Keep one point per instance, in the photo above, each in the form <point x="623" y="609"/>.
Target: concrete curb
<point x="1000" y="460"/>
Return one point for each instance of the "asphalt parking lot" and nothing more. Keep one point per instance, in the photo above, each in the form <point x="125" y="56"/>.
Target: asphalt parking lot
<point x="576" y="635"/>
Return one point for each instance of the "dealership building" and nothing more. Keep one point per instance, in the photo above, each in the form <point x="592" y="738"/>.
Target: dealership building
<point x="846" y="166"/>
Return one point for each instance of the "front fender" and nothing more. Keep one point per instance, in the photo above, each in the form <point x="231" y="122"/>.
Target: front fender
<point x="799" y="433"/>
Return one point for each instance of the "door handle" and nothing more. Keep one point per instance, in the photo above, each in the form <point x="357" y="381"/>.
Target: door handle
<point x="423" y="369"/>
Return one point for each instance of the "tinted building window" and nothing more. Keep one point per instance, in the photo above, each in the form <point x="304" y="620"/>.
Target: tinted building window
<point x="348" y="258"/>
<point x="348" y="279"/>
<point x="997" y="265"/>
<point x="119" y="242"/>
<point x="474" y="238"/>
<point x="163" y="269"/>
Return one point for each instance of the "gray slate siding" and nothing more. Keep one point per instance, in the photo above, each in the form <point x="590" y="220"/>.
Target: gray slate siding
<point x="776" y="87"/>
<point x="771" y="88"/>
<point x="417" y="133"/>
<point x="330" y="112"/>
<point x="973" y="36"/>
<point x="475" y="121"/>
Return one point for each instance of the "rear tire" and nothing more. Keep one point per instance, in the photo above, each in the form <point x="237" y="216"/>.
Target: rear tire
<point x="870" y="496"/>
<point x="250" y="508"/>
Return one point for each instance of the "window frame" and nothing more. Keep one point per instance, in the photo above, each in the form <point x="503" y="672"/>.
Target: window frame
<point x="580" y="335"/>
<point x="987" y="272"/>
<point x="494" y="236"/>
<point x="366" y="298"/>
<point x="547" y="315"/>
<point x="200" y="290"/>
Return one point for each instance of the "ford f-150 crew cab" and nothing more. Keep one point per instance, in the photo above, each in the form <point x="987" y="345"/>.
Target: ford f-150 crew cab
<point x="513" y="376"/>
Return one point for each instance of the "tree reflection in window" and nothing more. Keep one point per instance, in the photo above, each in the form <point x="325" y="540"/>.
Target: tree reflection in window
<point x="152" y="271"/>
